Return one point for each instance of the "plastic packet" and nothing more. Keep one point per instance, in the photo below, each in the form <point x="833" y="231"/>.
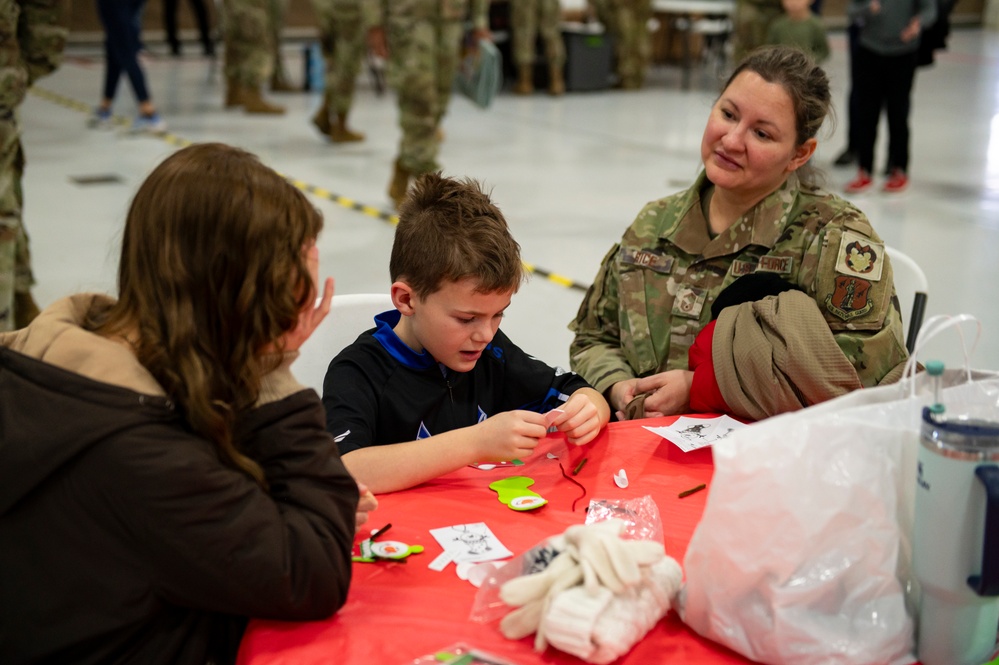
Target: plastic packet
<point x="487" y="606"/>
<point x="459" y="654"/>
<point x="640" y="516"/>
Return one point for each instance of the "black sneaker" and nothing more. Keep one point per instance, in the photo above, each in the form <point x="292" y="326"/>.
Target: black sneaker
<point x="845" y="158"/>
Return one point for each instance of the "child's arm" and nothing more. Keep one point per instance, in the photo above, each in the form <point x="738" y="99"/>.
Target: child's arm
<point x="396" y="466"/>
<point x="583" y="416"/>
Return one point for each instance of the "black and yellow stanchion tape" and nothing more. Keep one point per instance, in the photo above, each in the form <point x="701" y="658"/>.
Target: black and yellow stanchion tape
<point x="319" y="192"/>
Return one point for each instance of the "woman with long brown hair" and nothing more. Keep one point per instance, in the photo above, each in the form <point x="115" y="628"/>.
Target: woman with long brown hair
<point x="162" y="474"/>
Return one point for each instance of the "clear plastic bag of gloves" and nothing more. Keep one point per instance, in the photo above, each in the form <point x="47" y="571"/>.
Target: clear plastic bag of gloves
<point x="587" y="592"/>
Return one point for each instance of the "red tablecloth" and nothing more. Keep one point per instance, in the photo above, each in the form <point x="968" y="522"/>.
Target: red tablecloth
<point x="397" y="612"/>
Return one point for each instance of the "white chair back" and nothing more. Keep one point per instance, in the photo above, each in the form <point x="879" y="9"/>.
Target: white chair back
<point x="912" y="289"/>
<point x="350" y="315"/>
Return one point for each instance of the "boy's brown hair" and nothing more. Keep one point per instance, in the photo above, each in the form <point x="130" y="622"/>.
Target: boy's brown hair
<point x="450" y="230"/>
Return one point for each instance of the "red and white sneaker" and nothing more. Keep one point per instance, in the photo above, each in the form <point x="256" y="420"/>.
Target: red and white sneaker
<point x="859" y="184"/>
<point x="897" y="181"/>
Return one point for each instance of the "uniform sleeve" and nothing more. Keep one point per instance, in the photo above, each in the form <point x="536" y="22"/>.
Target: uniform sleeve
<point x="42" y="36"/>
<point x="214" y="540"/>
<point x="351" y="404"/>
<point x="532" y="384"/>
<point x="849" y="274"/>
<point x="595" y="352"/>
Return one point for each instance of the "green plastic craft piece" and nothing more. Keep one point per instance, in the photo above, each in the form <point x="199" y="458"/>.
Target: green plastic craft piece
<point x="513" y="492"/>
<point x="389" y="550"/>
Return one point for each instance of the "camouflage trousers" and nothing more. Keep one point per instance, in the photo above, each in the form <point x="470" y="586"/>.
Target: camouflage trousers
<point x="750" y="24"/>
<point x="15" y="260"/>
<point x="278" y="9"/>
<point x="627" y="22"/>
<point x="424" y="60"/>
<point x="249" y="41"/>
<point x="343" y="44"/>
<point x="527" y="19"/>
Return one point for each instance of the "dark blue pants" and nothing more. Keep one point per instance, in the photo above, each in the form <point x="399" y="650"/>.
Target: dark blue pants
<point x="122" y="20"/>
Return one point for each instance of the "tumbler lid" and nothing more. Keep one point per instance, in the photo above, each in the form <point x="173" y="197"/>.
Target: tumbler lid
<point x="960" y="437"/>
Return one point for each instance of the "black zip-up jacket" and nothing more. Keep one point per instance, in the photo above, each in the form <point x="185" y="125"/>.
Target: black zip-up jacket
<point x="378" y="391"/>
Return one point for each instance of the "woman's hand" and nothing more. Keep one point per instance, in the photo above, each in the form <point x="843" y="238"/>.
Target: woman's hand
<point x="668" y="392"/>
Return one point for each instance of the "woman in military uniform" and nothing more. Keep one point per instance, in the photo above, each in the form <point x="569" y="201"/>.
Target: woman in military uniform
<point x="754" y="208"/>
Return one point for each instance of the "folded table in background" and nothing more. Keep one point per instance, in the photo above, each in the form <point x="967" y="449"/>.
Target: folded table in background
<point x="397" y="612"/>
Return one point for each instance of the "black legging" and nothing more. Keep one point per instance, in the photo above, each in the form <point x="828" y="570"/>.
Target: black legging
<point x="883" y="82"/>
<point x="200" y="15"/>
<point x="122" y="21"/>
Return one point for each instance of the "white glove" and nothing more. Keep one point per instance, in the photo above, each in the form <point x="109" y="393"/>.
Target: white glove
<point x="609" y="561"/>
<point x="602" y="627"/>
<point x="531" y="594"/>
<point x="597" y="598"/>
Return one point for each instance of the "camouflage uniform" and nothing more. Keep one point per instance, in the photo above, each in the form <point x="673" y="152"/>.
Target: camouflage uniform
<point x="249" y="42"/>
<point x="424" y="40"/>
<point x="627" y="22"/>
<point x="278" y="10"/>
<point x="527" y="18"/>
<point x="655" y="288"/>
<point x="750" y="24"/>
<point x="343" y="42"/>
<point x="31" y="44"/>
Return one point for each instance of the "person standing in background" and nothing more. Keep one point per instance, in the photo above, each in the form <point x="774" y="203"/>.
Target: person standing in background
<point x="423" y="39"/>
<point x="32" y="39"/>
<point x="200" y="16"/>
<point x="122" y="21"/>
<point x="887" y="52"/>
<point x="751" y="22"/>
<point x="342" y="32"/>
<point x="279" y="77"/>
<point x="798" y="26"/>
<point x="249" y="55"/>
<point x="627" y="21"/>
<point x="528" y="18"/>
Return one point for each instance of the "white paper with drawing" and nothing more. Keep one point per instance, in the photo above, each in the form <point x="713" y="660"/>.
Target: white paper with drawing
<point x="693" y="433"/>
<point x="470" y="542"/>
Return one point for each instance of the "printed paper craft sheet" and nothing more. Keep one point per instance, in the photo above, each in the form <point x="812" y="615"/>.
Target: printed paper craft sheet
<point x="693" y="433"/>
<point x="470" y="542"/>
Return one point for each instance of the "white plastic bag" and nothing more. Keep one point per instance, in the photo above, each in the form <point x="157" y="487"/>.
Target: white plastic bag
<point x="802" y="555"/>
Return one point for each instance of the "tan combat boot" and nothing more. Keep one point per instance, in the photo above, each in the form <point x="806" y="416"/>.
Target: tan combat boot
<point x="280" y="83"/>
<point x="399" y="185"/>
<point x="254" y="103"/>
<point x="556" y="82"/>
<point x="525" y="80"/>
<point x="322" y="120"/>
<point x="233" y="94"/>
<point x="339" y="132"/>
<point x="25" y="309"/>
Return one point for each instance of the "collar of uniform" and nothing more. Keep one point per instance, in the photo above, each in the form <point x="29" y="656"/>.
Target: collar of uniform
<point x="762" y="225"/>
<point x="385" y="335"/>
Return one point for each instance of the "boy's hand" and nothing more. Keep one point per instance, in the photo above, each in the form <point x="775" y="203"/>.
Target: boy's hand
<point x="510" y="435"/>
<point x="579" y="420"/>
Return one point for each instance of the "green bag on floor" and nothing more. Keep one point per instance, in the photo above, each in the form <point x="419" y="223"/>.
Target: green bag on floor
<point x="480" y="75"/>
